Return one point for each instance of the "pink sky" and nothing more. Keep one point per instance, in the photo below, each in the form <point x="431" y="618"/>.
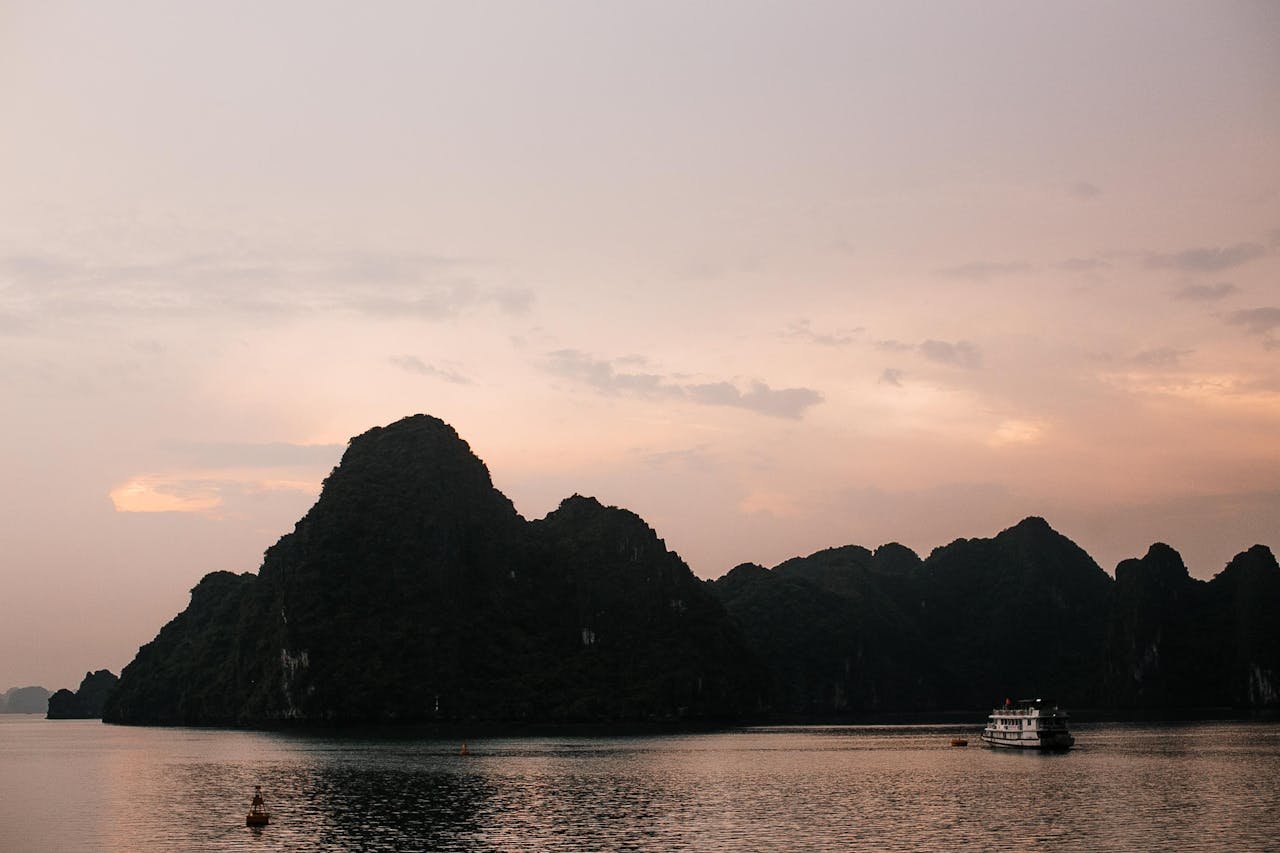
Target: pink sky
<point x="775" y="276"/>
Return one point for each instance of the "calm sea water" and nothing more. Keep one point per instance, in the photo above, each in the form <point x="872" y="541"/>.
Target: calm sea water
<point x="79" y="785"/>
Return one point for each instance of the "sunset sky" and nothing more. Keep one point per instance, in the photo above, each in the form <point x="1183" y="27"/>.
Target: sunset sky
<point x="776" y="276"/>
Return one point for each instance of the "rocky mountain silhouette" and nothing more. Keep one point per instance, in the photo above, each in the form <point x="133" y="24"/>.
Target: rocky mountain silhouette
<point x="412" y="591"/>
<point x="87" y="701"/>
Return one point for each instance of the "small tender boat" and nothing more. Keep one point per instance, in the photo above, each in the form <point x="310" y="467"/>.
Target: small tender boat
<point x="959" y="741"/>
<point x="1028" y="724"/>
<point x="258" y="814"/>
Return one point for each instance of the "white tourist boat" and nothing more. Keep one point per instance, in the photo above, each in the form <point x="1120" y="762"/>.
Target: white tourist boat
<point x="1028" y="724"/>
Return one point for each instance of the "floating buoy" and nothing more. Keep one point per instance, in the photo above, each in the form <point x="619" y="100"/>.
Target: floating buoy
<point x="258" y="815"/>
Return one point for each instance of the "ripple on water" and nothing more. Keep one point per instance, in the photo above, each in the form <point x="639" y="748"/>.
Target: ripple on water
<point x="87" y="786"/>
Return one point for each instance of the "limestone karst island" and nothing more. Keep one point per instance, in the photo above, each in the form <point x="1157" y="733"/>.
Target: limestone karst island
<point x="413" y="591"/>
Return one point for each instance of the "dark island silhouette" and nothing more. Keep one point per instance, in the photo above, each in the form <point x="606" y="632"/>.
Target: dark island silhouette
<point x="413" y="592"/>
<point x="87" y="701"/>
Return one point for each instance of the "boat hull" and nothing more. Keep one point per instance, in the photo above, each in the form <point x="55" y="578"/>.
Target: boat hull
<point x="1056" y="743"/>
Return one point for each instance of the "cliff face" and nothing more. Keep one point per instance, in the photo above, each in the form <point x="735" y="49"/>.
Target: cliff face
<point x="845" y="630"/>
<point x="1178" y="641"/>
<point x="1025" y="613"/>
<point x="413" y="591"/>
<point x="85" y="703"/>
<point x="1245" y="598"/>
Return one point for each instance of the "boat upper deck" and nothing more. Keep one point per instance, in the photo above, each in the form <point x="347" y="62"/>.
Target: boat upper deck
<point x="1028" y="708"/>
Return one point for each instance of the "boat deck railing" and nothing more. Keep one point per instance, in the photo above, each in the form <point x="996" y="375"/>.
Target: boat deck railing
<point x="1029" y="712"/>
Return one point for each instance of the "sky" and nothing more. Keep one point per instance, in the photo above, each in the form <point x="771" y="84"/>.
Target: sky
<point x="776" y="276"/>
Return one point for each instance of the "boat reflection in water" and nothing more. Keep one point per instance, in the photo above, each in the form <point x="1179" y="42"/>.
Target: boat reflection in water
<point x="1028" y="724"/>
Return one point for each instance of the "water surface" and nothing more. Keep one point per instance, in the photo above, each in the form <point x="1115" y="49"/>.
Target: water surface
<point x="82" y="785"/>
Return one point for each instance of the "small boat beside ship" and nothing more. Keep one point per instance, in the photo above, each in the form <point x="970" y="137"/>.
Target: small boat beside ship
<point x="1028" y="724"/>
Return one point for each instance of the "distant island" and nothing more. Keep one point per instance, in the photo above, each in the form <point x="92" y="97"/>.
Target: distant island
<point x="24" y="700"/>
<point x="412" y="591"/>
<point x="85" y="703"/>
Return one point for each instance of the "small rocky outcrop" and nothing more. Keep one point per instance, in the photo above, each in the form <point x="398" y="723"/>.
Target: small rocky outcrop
<point x="87" y="702"/>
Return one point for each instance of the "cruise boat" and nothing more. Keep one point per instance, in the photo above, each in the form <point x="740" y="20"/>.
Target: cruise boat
<point x="1028" y="724"/>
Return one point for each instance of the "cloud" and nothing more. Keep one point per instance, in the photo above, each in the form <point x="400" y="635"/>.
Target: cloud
<point x="983" y="270"/>
<point x="801" y="330"/>
<point x="274" y="454"/>
<point x="1083" y="264"/>
<point x="1205" y="292"/>
<point x="149" y="493"/>
<point x="1161" y="357"/>
<point x="1256" y="321"/>
<point x="1084" y="190"/>
<point x="892" y="376"/>
<point x="1259" y="321"/>
<point x="212" y="497"/>
<point x="960" y="354"/>
<point x="382" y="285"/>
<point x="1016" y="432"/>
<point x="894" y="346"/>
<point x="603" y="376"/>
<point x="1207" y="259"/>
<point x="780" y="402"/>
<point x="693" y="458"/>
<point x="413" y="364"/>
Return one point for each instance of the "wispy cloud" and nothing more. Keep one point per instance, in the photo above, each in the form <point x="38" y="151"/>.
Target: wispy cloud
<point x="983" y="270"/>
<point x="958" y="353"/>
<point x="1259" y="321"/>
<point x="801" y="330"/>
<point x="759" y="397"/>
<point x="1163" y="358"/>
<point x="603" y="376"/>
<point x="1084" y="190"/>
<point x="413" y="364"/>
<point x="209" y="496"/>
<point x="892" y="376"/>
<point x="1205" y="292"/>
<point x="258" y="285"/>
<point x="1256" y="321"/>
<point x="693" y="458"/>
<point x="1207" y="259"/>
<point x="1083" y="264"/>
<point x="272" y="454"/>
